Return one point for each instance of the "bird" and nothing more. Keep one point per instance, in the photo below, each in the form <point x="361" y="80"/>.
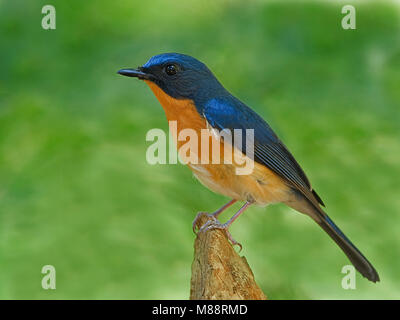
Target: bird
<point x="194" y="98"/>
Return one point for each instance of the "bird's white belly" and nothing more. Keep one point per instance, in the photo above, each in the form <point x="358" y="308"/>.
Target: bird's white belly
<point x="261" y="187"/>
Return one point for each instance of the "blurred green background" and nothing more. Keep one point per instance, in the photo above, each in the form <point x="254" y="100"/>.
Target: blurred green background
<point x="76" y="191"/>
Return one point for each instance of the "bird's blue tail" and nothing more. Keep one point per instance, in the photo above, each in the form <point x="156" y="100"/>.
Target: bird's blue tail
<point x="356" y="257"/>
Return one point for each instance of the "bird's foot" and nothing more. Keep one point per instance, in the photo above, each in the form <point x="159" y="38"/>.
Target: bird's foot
<point x="197" y="218"/>
<point x="215" y="224"/>
<point x="213" y="216"/>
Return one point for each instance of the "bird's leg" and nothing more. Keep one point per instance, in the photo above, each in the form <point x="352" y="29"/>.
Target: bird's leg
<point x="214" y="215"/>
<point x="223" y="208"/>
<point x="225" y="226"/>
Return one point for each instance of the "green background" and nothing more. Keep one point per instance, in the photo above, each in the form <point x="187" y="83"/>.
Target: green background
<point x="77" y="193"/>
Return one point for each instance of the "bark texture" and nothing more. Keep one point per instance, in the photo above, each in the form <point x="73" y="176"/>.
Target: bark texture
<point x="218" y="272"/>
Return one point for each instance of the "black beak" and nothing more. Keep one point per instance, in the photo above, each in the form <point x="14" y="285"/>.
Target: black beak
<point x="136" y="73"/>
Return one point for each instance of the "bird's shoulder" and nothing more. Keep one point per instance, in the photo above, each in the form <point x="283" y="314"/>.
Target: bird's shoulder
<point x="228" y="113"/>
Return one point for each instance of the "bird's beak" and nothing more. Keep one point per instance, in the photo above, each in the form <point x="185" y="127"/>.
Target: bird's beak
<point x="136" y="73"/>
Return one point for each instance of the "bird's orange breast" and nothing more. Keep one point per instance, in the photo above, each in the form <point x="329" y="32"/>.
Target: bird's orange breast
<point x="261" y="186"/>
<point x="184" y="114"/>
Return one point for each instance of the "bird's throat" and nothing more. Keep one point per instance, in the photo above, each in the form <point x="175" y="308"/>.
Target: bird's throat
<point x="183" y="111"/>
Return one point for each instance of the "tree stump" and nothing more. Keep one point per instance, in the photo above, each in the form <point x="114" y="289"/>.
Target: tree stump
<point x="218" y="272"/>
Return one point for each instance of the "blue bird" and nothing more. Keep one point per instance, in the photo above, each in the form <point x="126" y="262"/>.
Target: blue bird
<point x="193" y="98"/>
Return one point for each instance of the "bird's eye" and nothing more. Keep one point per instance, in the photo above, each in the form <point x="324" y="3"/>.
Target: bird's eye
<point x="171" y="69"/>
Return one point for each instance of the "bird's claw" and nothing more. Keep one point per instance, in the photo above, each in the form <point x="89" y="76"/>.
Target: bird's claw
<point x="196" y="220"/>
<point x="215" y="224"/>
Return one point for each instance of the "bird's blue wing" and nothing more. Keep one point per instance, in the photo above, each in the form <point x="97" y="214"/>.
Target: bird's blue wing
<point x="230" y="113"/>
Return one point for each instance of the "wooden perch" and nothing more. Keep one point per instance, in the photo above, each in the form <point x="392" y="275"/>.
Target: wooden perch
<point x="218" y="272"/>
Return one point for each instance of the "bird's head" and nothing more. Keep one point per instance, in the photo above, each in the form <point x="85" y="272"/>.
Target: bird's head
<point x="178" y="75"/>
